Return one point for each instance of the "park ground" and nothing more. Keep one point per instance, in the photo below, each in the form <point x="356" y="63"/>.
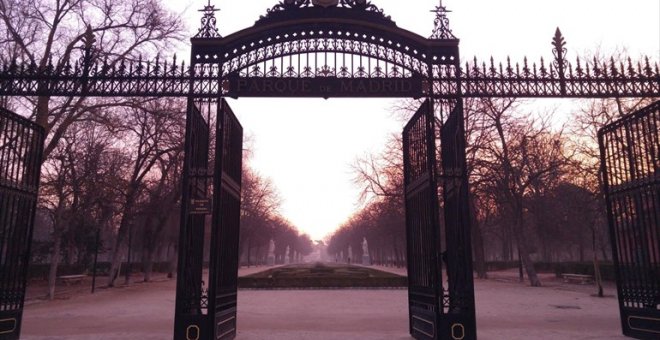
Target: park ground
<point x="506" y="309"/>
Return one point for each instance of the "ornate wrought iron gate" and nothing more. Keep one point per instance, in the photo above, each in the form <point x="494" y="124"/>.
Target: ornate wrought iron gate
<point x="209" y="311"/>
<point x="436" y="313"/>
<point x="422" y="224"/>
<point x="458" y="320"/>
<point x="192" y="295"/>
<point x="21" y="144"/>
<point x="630" y="155"/>
<point x="345" y="48"/>
<point x="226" y="224"/>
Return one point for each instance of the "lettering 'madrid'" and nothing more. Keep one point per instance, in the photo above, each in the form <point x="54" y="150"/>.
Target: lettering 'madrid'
<point x="323" y="87"/>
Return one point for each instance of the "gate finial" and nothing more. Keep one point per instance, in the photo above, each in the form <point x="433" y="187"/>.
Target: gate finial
<point x="208" y="29"/>
<point x="441" y="28"/>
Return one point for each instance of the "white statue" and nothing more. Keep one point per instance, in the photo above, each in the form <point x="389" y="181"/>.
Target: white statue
<point x="366" y="260"/>
<point x="271" y="253"/>
<point x="287" y="254"/>
<point x="271" y="247"/>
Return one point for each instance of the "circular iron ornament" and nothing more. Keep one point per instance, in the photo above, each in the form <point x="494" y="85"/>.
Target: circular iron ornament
<point x="192" y="332"/>
<point x="458" y="331"/>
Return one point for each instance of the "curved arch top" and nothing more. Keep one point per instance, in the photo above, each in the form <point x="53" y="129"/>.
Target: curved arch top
<point x="359" y="25"/>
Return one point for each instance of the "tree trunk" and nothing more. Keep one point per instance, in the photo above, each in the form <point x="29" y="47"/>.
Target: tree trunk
<point x="121" y="234"/>
<point x="599" y="280"/>
<point x="477" y="242"/>
<point x="148" y="269"/>
<point x="173" y="261"/>
<point x="249" y="250"/>
<point x="523" y="247"/>
<point x="54" y="262"/>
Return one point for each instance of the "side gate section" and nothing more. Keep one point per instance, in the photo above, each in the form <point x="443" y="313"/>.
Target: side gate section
<point x="630" y="163"/>
<point x="458" y="318"/>
<point x="191" y="311"/>
<point x="21" y="147"/>
<point x="226" y="224"/>
<point x="422" y="224"/>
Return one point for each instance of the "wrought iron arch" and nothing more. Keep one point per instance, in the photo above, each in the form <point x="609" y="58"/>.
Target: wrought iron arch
<point x="299" y="29"/>
<point x="354" y="28"/>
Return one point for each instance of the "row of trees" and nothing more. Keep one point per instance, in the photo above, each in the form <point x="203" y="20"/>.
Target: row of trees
<point x="535" y="188"/>
<point x="262" y="223"/>
<point x="112" y="167"/>
<point x="382" y="221"/>
<point x="116" y="186"/>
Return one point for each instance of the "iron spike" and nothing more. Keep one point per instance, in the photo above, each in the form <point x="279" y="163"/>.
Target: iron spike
<point x="543" y="69"/>
<point x="649" y="71"/>
<point x="631" y="68"/>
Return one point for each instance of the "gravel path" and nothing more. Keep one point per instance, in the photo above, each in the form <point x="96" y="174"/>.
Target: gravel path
<point x="505" y="310"/>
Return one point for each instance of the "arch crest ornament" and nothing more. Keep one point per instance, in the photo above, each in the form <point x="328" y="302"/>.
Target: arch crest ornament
<point x="293" y="7"/>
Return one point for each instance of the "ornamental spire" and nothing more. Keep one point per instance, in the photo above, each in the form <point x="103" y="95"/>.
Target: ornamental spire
<point x="208" y="29"/>
<point x="441" y="28"/>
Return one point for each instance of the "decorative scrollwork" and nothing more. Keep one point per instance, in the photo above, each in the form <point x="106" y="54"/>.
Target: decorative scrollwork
<point x="559" y="51"/>
<point x="342" y="56"/>
<point x="209" y="23"/>
<point x="441" y="28"/>
<point x="289" y="5"/>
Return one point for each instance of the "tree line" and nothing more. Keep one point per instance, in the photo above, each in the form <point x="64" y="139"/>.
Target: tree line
<point x="112" y="167"/>
<point x="535" y="187"/>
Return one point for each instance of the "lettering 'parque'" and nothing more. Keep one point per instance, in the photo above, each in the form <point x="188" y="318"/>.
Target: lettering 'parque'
<point x="324" y="87"/>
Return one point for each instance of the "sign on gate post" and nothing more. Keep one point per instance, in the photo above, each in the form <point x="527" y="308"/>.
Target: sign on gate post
<point x="200" y="206"/>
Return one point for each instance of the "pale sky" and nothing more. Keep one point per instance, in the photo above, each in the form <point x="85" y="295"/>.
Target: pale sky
<point x="306" y="146"/>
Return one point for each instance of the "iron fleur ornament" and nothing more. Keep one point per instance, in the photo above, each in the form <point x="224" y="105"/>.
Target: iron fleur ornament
<point x="353" y="4"/>
<point x="441" y="28"/>
<point x="209" y="22"/>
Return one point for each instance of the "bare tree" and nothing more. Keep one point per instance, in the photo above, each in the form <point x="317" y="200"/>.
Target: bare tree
<point x="523" y="153"/>
<point x="77" y="190"/>
<point x="259" y="206"/>
<point x="52" y="33"/>
<point x="152" y="130"/>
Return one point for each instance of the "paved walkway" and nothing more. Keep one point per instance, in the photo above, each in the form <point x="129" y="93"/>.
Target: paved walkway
<point x="505" y="310"/>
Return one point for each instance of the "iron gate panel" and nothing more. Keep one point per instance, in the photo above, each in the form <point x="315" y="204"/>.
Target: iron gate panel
<point x="422" y="224"/>
<point x="630" y="161"/>
<point x="191" y="295"/>
<point x="226" y="224"/>
<point x="21" y="146"/>
<point x="458" y="319"/>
